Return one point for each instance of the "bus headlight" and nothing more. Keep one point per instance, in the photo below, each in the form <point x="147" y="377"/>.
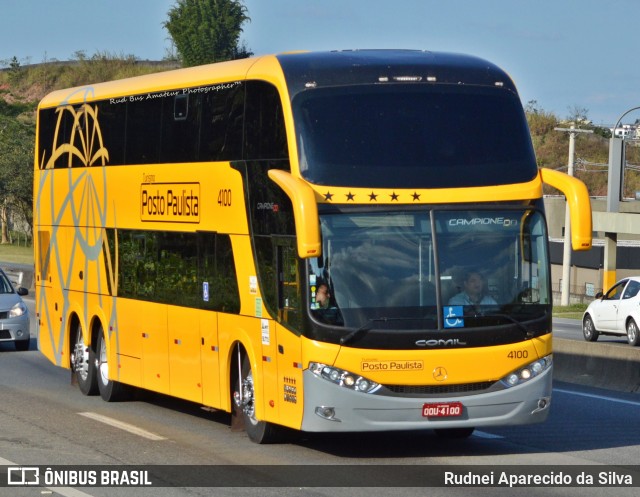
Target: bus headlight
<point x="343" y="378"/>
<point x="528" y="372"/>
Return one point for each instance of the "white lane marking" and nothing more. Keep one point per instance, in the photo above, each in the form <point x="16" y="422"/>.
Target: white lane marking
<point x="483" y="434"/>
<point x="121" y="425"/>
<point x="64" y="491"/>
<point x="599" y="397"/>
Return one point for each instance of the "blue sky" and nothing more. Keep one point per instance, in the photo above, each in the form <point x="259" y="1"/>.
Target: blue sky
<point x="564" y="54"/>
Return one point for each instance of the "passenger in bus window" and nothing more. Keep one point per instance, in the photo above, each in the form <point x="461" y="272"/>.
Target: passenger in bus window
<point x="473" y="292"/>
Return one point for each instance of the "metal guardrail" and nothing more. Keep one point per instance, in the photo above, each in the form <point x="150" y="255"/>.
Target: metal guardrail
<point x="15" y="277"/>
<point x="19" y="275"/>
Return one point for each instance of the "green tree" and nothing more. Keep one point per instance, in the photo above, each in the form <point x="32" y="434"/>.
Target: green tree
<point x="16" y="172"/>
<point x="206" y="31"/>
<point x="16" y="72"/>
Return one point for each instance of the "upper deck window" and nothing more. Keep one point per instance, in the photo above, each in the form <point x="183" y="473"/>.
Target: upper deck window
<point x="412" y="136"/>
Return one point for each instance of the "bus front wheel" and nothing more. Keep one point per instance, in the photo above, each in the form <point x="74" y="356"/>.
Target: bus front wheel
<point x="261" y="432"/>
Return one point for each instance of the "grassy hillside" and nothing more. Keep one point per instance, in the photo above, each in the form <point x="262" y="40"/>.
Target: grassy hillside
<point x="27" y="85"/>
<point x="592" y="152"/>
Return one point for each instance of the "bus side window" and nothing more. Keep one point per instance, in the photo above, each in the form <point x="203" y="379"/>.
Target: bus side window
<point x="221" y="128"/>
<point x="265" y="134"/>
<point x="180" y="128"/>
<point x="144" y="132"/>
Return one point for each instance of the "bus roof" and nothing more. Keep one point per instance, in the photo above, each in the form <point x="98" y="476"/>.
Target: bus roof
<point x="305" y="69"/>
<point x="316" y="69"/>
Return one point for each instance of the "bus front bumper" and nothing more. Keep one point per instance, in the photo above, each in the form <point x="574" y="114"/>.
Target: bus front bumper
<point x="331" y="408"/>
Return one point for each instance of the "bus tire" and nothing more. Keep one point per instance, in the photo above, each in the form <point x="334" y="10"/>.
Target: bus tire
<point x="84" y="364"/>
<point x="454" y="432"/>
<point x="260" y="432"/>
<point x="110" y="391"/>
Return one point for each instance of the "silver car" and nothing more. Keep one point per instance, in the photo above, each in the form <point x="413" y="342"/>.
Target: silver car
<point x="14" y="316"/>
<point x="617" y="312"/>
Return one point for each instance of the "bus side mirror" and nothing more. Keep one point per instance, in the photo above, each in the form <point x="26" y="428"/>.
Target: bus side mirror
<point x="305" y="212"/>
<point x="578" y="202"/>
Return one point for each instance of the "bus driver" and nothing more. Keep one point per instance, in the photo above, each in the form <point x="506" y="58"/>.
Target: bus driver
<point x="473" y="293"/>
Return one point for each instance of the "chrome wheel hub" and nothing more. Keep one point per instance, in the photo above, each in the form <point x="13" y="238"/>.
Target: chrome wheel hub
<point x="244" y="399"/>
<point x="81" y="358"/>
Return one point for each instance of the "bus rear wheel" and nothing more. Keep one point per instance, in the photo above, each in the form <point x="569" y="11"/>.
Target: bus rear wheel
<point x="110" y="391"/>
<point x="83" y="363"/>
<point x="261" y="432"/>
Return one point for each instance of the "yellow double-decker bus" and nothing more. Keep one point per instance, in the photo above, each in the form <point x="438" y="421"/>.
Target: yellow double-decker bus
<point x="330" y="242"/>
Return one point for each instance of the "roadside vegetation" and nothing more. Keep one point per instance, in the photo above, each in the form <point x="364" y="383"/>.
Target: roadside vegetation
<point x="16" y="254"/>
<point x="202" y="31"/>
<point x="573" y="311"/>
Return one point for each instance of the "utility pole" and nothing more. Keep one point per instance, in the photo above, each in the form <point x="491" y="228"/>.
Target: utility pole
<point x="566" y="257"/>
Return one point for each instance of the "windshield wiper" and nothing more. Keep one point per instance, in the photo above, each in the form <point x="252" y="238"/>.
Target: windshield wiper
<point x="358" y="331"/>
<point x="528" y="333"/>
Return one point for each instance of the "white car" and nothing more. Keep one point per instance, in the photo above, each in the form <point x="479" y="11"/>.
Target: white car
<point x="617" y="312"/>
<point x="14" y="316"/>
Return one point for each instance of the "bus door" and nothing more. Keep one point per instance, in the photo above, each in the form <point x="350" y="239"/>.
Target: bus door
<point x="288" y="333"/>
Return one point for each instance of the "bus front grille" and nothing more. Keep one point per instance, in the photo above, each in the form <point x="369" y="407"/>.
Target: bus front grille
<point x="441" y="390"/>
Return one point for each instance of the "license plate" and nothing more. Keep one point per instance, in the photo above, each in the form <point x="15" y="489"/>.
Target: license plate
<point x="443" y="410"/>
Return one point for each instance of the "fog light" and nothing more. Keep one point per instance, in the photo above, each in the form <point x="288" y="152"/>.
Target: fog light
<point x="327" y="413"/>
<point x="543" y="404"/>
<point x="19" y="333"/>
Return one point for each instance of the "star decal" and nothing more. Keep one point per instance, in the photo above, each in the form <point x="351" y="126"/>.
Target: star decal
<point x="328" y="196"/>
<point x="350" y="196"/>
<point x="373" y="196"/>
<point x="394" y="196"/>
<point x="416" y="196"/>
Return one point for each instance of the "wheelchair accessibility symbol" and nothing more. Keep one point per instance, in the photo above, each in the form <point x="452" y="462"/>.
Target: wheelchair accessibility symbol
<point x="452" y="316"/>
<point x="205" y="291"/>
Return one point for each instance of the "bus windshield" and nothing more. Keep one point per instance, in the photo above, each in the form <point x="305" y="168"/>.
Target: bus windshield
<point x="430" y="269"/>
<point x="412" y="136"/>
